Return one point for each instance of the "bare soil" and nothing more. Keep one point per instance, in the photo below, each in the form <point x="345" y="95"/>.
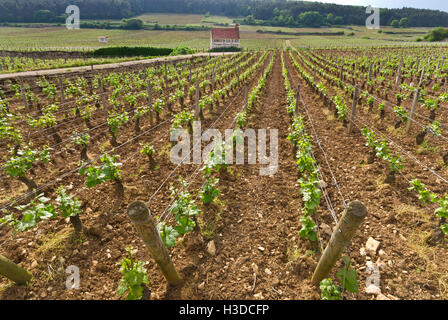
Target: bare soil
<point x="254" y="226"/>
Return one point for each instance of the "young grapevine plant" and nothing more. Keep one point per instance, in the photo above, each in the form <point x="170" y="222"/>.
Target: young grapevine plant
<point x="183" y="209"/>
<point x="427" y="197"/>
<point x="209" y="191"/>
<point x="33" y="212"/>
<point x="329" y="290"/>
<point x="134" y="277"/>
<point x="109" y="170"/>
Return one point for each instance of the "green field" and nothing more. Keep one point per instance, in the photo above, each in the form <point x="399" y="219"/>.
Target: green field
<point x="60" y="38"/>
<point x="84" y="39"/>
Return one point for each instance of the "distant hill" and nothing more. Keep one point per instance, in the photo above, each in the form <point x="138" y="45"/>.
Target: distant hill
<point x="261" y="12"/>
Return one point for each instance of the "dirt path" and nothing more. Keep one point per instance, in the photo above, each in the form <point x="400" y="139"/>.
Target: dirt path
<point x="409" y="269"/>
<point x="261" y="223"/>
<point x="102" y="67"/>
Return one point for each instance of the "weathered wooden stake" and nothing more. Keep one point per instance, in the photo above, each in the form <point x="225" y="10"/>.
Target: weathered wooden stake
<point x="341" y="74"/>
<point x="397" y="80"/>
<point x="149" y="93"/>
<point x="352" y="218"/>
<point x="352" y="115"/>
<point x="296" y="109"/>
<point x="22" y="90"/>
<point x="196" y="106"/>
<point x="238" y="77"/>
<point x="418" y="64"/>
<point x="414" y="107"/>
<point x="370" y="73"/>
<point x="213" y="78"/>
<point x="166" y="76"/>
<point x="146" y="227"/>
<point x="246" y="96"/>
<point x="61" y="88"/>
<point x="421" y="77"/>
<point x="13" y="271"/>
<point x="103" y="92"/>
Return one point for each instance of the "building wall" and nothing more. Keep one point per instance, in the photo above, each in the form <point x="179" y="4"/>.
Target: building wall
<point x="224" y="43"/>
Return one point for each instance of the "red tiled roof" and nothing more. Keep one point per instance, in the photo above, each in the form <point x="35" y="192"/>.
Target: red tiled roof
<point x="226" y="33"/>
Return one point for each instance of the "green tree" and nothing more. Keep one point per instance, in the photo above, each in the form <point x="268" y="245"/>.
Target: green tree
<point x="437" y="34"/>
<point x="330" y="19"/>
<point x="404" y="22"/>
<point x="44" y="16"/>
<point x="132" y="24"/>
<point x="311" y="19"/>
<point x="338" y="21"/>
<point x="250" y="19"/>
<point x="395" y="23"/>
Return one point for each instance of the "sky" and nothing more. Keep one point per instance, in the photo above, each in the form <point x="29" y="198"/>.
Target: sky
<point x="422" y="4"/>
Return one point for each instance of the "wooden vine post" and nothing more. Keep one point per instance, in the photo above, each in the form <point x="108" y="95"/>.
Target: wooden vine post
<point x="213" y="77"/>
<point x="370" y="73"/>
<point x="341" y="74"/>
<point x="196" y="106"/>
<point x="398" y="79"/>
<point x="165" y="77"/>
<point x="238" y="78"/>
<point x="61" y="88"/>
<point x="103" y="92"/>
<point x="413" y="108"/>
<point x="352" y="218"/>
<point x="421" y="77"/>
<point x="146" y="227"/>
<point x="149" y="88"/>
<point x="246" y="96"/>
<point x="296" y="109"/>
<point x="418" y="64"/>
<point x="23" y="91"/>
<point x="89" y="77"/>
<point x="352" y="114"/>
<point x="13" y="271"/>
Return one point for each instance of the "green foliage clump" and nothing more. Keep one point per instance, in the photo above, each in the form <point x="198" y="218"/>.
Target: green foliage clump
<point x="329" y="291"/>
<point x="109" y="170"/>
<point x="437" y="34"/>
<point x="132" y="52"/>
<point x="22" y="160"/>
<point x="181" y="50"/>
<point x="133" y="277"/>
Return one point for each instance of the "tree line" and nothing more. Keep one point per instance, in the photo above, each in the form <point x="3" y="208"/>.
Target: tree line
<point x="263" y="12"/>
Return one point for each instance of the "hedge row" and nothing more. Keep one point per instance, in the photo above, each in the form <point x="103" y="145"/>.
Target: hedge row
<point x="228" y="49"/>
<point x="132" y="52"/>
